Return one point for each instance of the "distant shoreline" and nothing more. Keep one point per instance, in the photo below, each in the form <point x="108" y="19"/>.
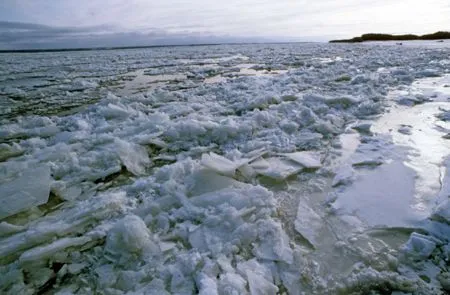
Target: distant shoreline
<point x="99" y="48"/>
<point x="138" y="47"/>
<point x="441" y="35"/>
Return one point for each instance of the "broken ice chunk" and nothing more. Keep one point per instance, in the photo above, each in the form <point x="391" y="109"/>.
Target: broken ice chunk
<point x="130" y="235"/>
<point x="29" y="190"/>
<point x="133" y="156"/>
<point x="344" y="175"/>
<point x="7" y="228"/>
<point x="274" y="243"/>
<point x="232" y="283"/>
<point x="280" y="168"/>
<point x="206" y="285"/>
<point x="221" y="164"/>
<point x="419" y="246"/>
<point x="260" y="269"/>
<point x="259" y="285"/>
<point x="410" y="100"/>
<point x="8" y="151"/>
<point x="308" y="223"/>
<point x="363" y="128"/>
<point x="205" y="181"/>
<point x="361" y="159"/>
<point x="67" y="193"/>
<point x="260" y="164"/>
<point x="442" y="212"/>
<point x="45" y="252"/>
<point x="310" y="160"/>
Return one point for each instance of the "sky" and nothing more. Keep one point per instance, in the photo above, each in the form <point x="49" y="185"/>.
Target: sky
<point x="87" y="23"/>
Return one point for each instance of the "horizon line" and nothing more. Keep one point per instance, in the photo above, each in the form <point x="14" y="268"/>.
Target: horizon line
<point x="100" y="48"/>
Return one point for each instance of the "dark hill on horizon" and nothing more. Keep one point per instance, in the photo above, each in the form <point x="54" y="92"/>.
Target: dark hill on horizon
<point x="388" y="37"/>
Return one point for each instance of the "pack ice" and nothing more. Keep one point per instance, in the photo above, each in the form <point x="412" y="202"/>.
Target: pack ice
<point x="232" y="169"/>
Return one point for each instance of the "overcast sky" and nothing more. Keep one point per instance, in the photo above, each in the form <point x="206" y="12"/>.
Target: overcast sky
<point x="123" y="21"/>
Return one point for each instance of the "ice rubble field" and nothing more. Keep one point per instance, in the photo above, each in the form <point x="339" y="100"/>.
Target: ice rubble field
<point x="252" y="169"/>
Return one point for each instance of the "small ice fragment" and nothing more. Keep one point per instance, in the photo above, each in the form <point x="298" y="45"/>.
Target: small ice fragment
<point x="76" y="268"/>
<point x="405" y="129"/>
<point x="308" y="223"/>
<point x="39" y="277"/>
<point x="444" y="115"/>
<point x="256" y="153"/>
<point x="29" y="190"/>
<point x="363" y="128"/>
<point x="112" y="111"/>
<point x="106" y="275"/>
<point x="70" y="193"/>
<point x="253" y="265"/>
<point x="344" y="101"/>
<point x="310" y="160"/>
<point x="366" y="160"/>
<point x="410" y="100"/>
<point x="444" y="279"/>
<point x="442" y="212"/>
<point x="166" y="246"/>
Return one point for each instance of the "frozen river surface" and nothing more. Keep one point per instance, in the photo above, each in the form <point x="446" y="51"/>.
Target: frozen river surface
<point x="231" y="169"/>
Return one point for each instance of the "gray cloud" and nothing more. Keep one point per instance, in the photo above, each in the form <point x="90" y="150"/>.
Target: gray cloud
<point x="152" y="21"/>
<point x="34" y="36"/>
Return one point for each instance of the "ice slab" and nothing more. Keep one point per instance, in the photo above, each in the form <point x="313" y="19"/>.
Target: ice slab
<point x="221" y="164"/>
<point x="279" y="168"/>
<point x="205" y="181"/>
<point x="308" y="223"/>
<point x="31" y="189"/>
<point x="383" y="197"/>
<point x="310" y="160"/>
<point x="428" y="147"/>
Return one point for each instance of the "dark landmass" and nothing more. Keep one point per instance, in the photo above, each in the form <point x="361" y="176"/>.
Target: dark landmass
<point x="441" y="35"/>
